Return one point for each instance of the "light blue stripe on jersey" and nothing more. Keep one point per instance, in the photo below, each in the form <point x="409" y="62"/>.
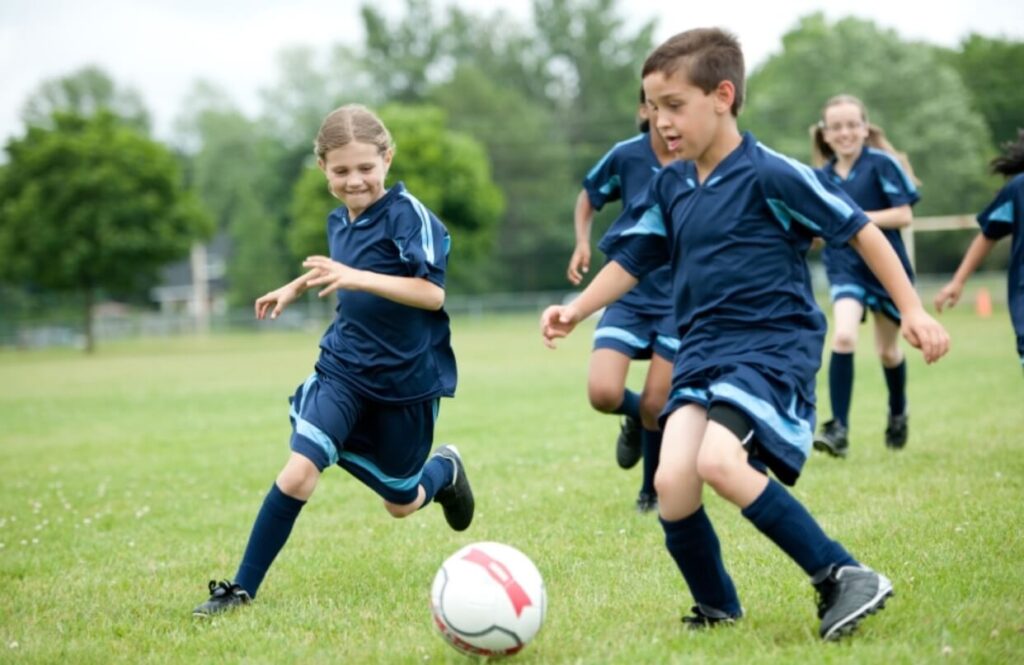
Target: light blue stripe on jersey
<point x="621" y="335"/>
<point x="672" y="343"/>
<point x="693" y="394"/>
<point x="651" y="223"/>
<point x="610" y="186"/>
<point x="786" y="215"/>
<point x="1003" y="213"/>
<point x="790" y="428"/>
<point x="840" y="206"/>
<point x="400" y="484"/>
<point x="908" y="184"/>
<point x="427" y="231"/>
<point x="608" y="155"/>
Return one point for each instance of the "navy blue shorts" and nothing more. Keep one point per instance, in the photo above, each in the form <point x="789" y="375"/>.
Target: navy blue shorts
<point x="383" y="445"/>
<point x="636" y="336"/>
<point x="782" y="419"/>
<point x="876" y="301"/>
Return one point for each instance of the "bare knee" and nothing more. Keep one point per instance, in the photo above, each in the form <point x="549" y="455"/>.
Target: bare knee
<point x="400" y="510"/>
<point x="604" y="397"/>
<point x="890" y="354"/>
<point x="650" y="409"/>
<point x="844" y="341"/>
<point x="716" y="470"/>
<point x="298" y="478"/>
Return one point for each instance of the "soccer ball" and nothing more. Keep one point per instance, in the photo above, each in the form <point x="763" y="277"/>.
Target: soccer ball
<point x="488" y="599"/>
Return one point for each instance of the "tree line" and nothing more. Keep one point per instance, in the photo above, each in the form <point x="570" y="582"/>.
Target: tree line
<point x="495" y="121"/>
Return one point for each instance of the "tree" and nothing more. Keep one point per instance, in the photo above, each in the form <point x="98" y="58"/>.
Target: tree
<point x="91" y="204"/>
<point x="991" y="70"/>
<point x="446" y="170"/>
<point x="920" y="102"/>
<point x="85" y="93"/>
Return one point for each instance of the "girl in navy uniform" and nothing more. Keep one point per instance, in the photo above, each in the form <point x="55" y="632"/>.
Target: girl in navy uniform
<point x="734" y="220"/>
<point x="1003" y="217"/>
<point x="855" y="155"/>
<point x="372" y="400"/>
<point x="639" y="325"/>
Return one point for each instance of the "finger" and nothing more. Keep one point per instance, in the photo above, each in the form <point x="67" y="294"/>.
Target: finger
<point x="277" y="310"/>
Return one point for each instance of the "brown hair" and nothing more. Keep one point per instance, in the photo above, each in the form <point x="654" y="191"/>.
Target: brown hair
<point x="709" y="56"/>
<point x="1011" y="162"/>
<point x="352" y="122"/>
<point x="821" y="151"/>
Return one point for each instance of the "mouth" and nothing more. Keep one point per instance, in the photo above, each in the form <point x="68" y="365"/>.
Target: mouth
<point x="673" y="143"/>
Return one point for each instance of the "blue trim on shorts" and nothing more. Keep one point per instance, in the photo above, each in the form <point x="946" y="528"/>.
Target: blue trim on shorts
<point x="788" y="427"/>
<point x="391" y="482"/>
<point x="847" y="291"/>
<point x="621" y="335"/>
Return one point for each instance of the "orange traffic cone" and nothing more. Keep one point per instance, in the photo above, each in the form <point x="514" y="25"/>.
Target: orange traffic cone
<point x="983" y="303"/>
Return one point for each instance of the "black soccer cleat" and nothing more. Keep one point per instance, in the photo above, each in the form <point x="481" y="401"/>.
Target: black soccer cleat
<point x="646" y="502"/>
<point x="628" y="449"/>
<point x="224" y="595"/>
<point x="833" y="439"/>
<point x="708" y="617"/>
<point x="846" y="595"/>
<point x="457" y="498"/>
<point x="896" y="431"/>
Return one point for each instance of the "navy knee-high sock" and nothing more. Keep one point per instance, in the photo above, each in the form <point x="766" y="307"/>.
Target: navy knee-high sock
<point x="840" y="385"/>
<point x="651" y="446"/>
<point x="777" y="514"/>
<point x="694" y="546"/>
<point x="630" y="404"/>
<point x="269" y="534"/>
<point x="896" y="379"/>
<point x="438" y="472"/>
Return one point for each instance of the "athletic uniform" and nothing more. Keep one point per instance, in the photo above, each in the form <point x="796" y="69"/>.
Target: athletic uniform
<point x="1005" y="216"/>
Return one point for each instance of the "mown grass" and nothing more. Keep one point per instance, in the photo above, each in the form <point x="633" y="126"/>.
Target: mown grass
<point x="132" y="476"/>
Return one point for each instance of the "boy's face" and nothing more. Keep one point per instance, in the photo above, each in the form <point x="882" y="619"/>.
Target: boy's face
<point x="355" y="174"/>
<point x="685" y="116"/>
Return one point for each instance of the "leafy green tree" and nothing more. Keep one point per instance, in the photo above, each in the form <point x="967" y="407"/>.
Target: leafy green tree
<point x="920" y="102"/>
<point x="399" y="57"/>
<point x="234" y="173"/>
<point x="85" y="93"/>
<point x="446" y="170"/>
<point x="90" y="204"/>
<point x="991" y="69"/>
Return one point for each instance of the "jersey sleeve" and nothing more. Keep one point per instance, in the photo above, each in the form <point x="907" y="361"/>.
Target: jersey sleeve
<point x="798" y="195"/>
<point x="422" y="241"/>
<point x="603" y="182"/>
<point x="898" y="188"/>
<point x="638" y="238"/>
<point x="996" y="220"/>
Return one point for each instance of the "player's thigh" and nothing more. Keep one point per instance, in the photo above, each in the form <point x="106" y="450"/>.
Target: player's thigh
<point x="681" y="439"/>
<point x="847" y="315"/>
<point x="607" y="377"/>
<point x="656" y="389"/>
<point x="887" y="338"/>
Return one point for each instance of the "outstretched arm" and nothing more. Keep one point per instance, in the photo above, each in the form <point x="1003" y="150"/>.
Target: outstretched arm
<point x="608" y="286"/>
<point x="949" y="294"/>
<point x="583" y="217"/>
<point x="918" y="327"/>
<point x="275" y="301"/>
<point x="892" y="218"/>
<point x="412" y="291"/>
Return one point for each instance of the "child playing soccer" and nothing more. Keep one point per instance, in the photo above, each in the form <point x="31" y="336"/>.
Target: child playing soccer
<point x="856" y="157"/>
<point x="386" y="359"/>
<point x="735" y="220"/>
<point x="1003" y="217"/>
<point x="639" y="325"/>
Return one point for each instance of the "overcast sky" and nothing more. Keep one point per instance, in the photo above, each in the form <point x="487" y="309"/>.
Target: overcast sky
<point x="159" y="47"/>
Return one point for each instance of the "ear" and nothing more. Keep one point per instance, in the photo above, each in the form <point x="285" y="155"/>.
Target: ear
<point x="321" y="164"/>
<point x="725" y="95"/>
<point x="388" y="155"/>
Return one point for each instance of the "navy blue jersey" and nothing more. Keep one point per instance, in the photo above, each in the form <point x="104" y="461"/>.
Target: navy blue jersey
<point x="876" y="182"/>
<point x="620" y="175"/>
<point x="737" y="248"/>
<point x="1005" y="216"/>
<point x="387" y="351"/>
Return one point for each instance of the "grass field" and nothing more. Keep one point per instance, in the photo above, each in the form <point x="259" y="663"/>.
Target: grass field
<point x="132" y="477"/>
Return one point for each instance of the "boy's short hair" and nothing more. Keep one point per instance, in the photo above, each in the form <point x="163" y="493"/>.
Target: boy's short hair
<point x="709" y="56"/>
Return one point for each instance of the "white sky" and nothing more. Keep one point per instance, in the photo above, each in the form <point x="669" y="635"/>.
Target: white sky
<point x="159" y="47"/>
